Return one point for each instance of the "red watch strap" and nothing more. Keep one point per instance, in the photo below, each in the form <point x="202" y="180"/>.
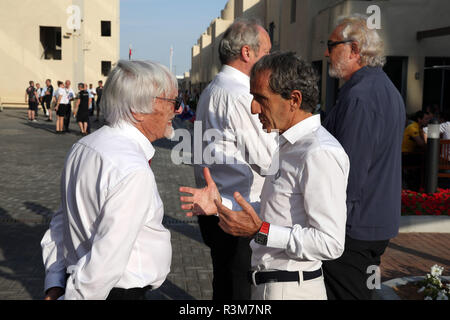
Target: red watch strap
<point x="265" y="228"/>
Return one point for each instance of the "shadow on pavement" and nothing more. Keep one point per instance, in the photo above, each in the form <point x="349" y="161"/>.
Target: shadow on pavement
<point x="21" y="260"/>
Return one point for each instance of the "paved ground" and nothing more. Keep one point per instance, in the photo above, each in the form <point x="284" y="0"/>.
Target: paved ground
<point x="31" y="159"/>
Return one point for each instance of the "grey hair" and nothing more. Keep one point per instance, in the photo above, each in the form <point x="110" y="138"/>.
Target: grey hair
<point x="131" y="87"/>
<point x="369" y="42"/>
<point x="288" y="73"/>
<point x="242" y="32"/>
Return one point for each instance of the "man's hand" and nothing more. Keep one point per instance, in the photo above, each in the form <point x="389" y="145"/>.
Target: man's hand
<point x="202" y="200"/>
<point x="245" y="223"/>
<point x="54" y="293"/>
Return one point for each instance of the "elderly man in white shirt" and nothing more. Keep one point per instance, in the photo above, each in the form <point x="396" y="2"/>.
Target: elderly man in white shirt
<point x="225" y="108"/>
<point x="107" y="239"/>
<point x="302" y="214"/>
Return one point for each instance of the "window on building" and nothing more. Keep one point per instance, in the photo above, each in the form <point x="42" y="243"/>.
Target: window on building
<point x="50" y="38"/>
<point x="106" y="28"/>
<point x="293" y="10"/>
<point x="106" y="68"/>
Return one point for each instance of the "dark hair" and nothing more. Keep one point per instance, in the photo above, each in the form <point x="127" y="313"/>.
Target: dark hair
<point x="446" y="116"/>
<point x="81" y="84"/>
<point x="419" y="115"/>
<point x="288" y="73"/>
<point x="60" y="83"/>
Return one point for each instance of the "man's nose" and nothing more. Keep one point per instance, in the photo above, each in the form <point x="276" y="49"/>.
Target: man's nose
<point x="255" y="107"/>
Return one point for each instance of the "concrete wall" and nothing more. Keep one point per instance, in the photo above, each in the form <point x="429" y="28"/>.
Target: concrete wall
<point x="21" y="53"/>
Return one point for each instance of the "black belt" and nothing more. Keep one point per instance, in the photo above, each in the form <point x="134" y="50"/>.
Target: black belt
<point x="259" y="277"/>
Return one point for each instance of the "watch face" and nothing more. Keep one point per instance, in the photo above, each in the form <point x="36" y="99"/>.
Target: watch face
<point x="261" y="238"/>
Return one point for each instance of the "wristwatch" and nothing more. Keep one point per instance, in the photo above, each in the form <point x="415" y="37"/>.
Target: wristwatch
<point x="263" y="233"/>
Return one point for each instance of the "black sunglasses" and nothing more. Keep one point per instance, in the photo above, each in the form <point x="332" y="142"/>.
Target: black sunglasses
<point x="332" y="44"/>
<point x="176" y="102"/>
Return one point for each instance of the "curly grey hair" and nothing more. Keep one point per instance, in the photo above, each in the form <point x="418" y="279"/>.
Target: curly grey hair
<point x="370" y="44"/>
<point x="242" y="32"/>
<point x="288" y="73"/>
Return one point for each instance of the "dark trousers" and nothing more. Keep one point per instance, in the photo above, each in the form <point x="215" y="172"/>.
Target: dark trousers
<point x="67" y="116"/>
<point x="231" y="258"/>
<point x="346" y="277"/>
<point x="128" y="294"/>
<point x="47" y="102"/>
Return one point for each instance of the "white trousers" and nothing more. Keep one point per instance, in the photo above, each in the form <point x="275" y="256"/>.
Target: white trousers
<point x="303" y="290"/>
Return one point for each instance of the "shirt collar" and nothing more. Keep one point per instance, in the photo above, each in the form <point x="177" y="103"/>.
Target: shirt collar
<point x="133" y="133"/>
<point x="238" y="75"/>
<point x="302" y="128"/>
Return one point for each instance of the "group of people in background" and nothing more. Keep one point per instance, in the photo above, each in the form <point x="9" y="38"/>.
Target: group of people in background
<point x="415" y="142"/>
<point x="60" y="101"/>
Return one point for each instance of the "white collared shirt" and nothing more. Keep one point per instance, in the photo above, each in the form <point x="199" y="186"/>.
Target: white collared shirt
<point x="305" y="201"/>
<point x="225" y="106"/>
<point x="109" y="232"/>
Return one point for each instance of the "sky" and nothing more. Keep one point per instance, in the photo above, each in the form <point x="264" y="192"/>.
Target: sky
<point x="153" y="26"/>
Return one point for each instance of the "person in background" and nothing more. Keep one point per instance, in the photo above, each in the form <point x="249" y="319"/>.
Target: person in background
<point x="413" y="137"/>
<point x="99" y="91"/>
<point x="82" y="108"/>
<point x="48" y="95"/>
<point x="61" y="107"/>
<point x="68" y="114"/>
<point x="32" y="98"/>
<point x="40" y="92"/>
<point x="92" y="94"/>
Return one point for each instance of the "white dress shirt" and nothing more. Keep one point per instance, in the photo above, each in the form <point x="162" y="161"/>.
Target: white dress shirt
<point x="108" y="232"/>
<point x="305" y="201"/>
<point x="225" y="106"/>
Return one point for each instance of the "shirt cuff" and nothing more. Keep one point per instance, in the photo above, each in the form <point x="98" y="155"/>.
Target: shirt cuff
<point x="278" y="237"/>
<point x="227" y="203"/>
<point x="55" y="280"/>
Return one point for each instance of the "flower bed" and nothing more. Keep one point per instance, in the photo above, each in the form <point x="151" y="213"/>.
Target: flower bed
<point x="419" y="203"/>
<point x="431" y="288"/>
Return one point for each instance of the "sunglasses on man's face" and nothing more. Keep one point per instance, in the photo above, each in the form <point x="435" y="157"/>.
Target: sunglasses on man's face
<point x="332" y="44"/>
<point x="176" y="102"/>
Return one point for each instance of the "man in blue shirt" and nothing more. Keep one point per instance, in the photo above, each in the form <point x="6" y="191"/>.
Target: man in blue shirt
<point x="368" y="120"/>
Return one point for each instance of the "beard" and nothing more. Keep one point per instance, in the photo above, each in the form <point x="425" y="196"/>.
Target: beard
<point x="169" y="133"/>
<point x="337" y="69"/>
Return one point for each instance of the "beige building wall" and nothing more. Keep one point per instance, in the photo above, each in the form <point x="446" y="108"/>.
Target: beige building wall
<point x="21" y="53"/>
<point x="307" y="32"/>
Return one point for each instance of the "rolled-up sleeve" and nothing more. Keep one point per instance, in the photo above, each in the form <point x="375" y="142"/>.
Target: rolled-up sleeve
<point x="53" y="253"/>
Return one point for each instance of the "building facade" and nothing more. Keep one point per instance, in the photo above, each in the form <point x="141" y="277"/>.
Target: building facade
<point x="75" y="40"/>
<point x="416" y="35"/>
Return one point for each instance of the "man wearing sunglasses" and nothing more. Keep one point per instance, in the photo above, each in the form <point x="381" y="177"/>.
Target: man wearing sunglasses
<point x="368" y="120"/>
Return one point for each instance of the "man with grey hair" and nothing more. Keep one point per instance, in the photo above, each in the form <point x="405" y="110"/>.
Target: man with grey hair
<point x="225" y="107"/>
<point x="107" y="240"/>
<point x="301" y="219"/>
<point x="368" y="120"/>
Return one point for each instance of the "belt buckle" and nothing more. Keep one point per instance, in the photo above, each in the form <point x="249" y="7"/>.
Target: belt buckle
<point x="253" y="277"/>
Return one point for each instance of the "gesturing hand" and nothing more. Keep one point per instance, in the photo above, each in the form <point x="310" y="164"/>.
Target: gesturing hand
<point x="245" y="223"/>
<point x="202" y="200"/>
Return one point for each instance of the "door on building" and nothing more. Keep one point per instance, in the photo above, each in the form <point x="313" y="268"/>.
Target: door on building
<point x="397" y="70"/>
<point x="436" y="87"/>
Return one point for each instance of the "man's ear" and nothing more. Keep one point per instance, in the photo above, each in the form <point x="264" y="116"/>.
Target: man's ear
<point x="355" y="53"/>
<point x="296" y="100"/>
<point x="139" y="117"/>
<point x="245" y="53"/>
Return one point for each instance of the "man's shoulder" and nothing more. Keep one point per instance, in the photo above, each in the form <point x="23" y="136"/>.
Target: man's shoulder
<point x="117" y="150"/>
